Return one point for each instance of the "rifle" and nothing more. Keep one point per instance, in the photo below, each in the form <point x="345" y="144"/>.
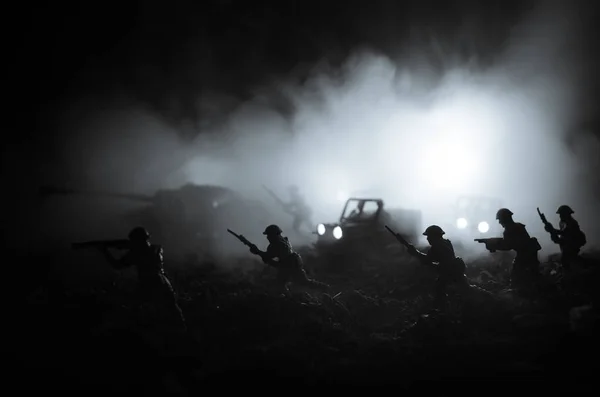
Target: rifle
<point x="491" y="242"/>
<point x="547" y="225"/>
<point x="243" y="239"/>
<point x="400" y="239"/>
<point x="248" y="244"/>
<point x="116" y="244"/>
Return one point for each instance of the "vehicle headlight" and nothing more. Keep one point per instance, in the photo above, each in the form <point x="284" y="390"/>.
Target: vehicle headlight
<point x="337" y="232"/>
<point x="320" y="229"/>
<point x="483" y="227"/>
<point x="461" y="223"/>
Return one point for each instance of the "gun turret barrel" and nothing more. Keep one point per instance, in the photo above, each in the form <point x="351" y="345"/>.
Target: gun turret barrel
<point x="60" y="191"/>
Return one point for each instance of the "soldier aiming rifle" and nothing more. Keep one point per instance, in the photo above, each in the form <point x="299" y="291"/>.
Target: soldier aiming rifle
<point x="155" y="288"/>
<point x="441" y="257"/>
<point x="281" y="256"/>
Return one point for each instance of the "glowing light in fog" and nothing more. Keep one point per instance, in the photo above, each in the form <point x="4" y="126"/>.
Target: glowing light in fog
<point x="320" y="229"/>
<point x="337" y="232"/>
<point x="483" y="227"/>
<point x="448" y="166"/>
<point x="461" y="223"/>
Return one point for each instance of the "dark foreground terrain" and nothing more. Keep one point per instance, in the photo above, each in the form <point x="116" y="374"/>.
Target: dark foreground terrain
<point x="375" y="327"/>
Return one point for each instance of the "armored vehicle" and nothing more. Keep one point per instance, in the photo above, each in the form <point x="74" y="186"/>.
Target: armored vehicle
<point x="191" y="219"/>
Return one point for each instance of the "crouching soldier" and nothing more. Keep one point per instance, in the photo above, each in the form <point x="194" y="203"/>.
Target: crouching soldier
<point x="155" y="289"/>
<point x="450" y="268"/>
<point x="280" y="255"/>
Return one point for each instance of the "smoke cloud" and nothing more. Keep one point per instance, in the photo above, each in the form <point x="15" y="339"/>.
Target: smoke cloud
<point x="418" y="129"/>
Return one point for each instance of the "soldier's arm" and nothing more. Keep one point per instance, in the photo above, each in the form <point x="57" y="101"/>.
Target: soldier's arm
<point x="504" y="244"/>
<point x="425" y="258"/>
<point x="570" y="232"/>
<point x="429" y="259"/>
<point x="552" y="230"/>
<point x="118" y="264"/>
<point x="512" y="240"/>
<point x="269" y="255"/>
<point x="161" y="254"/>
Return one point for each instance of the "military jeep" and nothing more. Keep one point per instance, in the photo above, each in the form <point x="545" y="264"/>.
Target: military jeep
<point x="361" y="226"/>
<point x="475" y="216"/>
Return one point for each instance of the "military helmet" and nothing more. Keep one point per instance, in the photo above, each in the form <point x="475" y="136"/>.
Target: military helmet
<point x="503" y="213"/>
<point x="272" y="230"/>
<point x="139" y="233"/>
<point x="565" y="209"/>
<point x="434" y="230"/>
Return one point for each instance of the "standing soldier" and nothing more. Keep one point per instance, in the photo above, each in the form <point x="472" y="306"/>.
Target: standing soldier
<point x="451" y="269"/>
<point x="569" y="236"/>
<point x="154" y="286"/>
<point x="525" y="267"/>
<point x="280" y="255"/>
<point x="298" y="208"/>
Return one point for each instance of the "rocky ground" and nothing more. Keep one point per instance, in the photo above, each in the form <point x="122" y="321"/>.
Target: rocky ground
<point x="375" y="326"/>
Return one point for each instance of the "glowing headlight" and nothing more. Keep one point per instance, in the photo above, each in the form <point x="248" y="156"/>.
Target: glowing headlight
<point x="483" y="227"/>
<point x="337" y="232"/>
<point x="461" y="223"/>
<point x="320" y="229"/>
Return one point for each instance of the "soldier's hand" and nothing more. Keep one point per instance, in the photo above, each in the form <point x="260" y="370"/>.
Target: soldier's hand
<point x="411" y="249"/>
<point x="548" y="228"/>
<point x="490" y="247"/>
<point x="254" y="249"/>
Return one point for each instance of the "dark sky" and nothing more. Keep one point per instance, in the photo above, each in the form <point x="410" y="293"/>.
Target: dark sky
<point x="182" y="50"/>
<point x="168" y="55"/>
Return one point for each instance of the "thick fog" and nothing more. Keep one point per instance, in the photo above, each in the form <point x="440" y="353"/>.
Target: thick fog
<point x="381" y="126"/>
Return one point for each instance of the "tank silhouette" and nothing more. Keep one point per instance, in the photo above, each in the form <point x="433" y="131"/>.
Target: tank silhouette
<point x="190" y="219"/>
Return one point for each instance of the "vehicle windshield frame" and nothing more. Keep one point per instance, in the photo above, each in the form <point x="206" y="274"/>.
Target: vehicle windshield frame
<point x="357" y="201"/>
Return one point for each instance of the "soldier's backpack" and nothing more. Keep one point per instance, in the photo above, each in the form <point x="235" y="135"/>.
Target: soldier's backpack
<point x="581" y="239"/>
<point x="459" y="265"/>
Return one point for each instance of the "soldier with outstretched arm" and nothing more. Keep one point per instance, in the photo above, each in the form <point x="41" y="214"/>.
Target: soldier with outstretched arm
<point x="525" y="267"/>
<point x="441" y="256"/>
<point x="569" y="236"/>
<point x="154" y="285"/>
<point x="296" y="207"/>
<point x="280" y="255"/>
<point x="299" y="210"/>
